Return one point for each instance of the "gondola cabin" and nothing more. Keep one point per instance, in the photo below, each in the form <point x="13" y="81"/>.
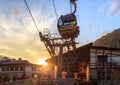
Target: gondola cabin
<point x="67" y="26"/>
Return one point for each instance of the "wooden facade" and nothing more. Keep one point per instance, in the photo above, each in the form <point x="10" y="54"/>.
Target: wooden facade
<point x="88" y="62"/>
<point x="105" y="64"/>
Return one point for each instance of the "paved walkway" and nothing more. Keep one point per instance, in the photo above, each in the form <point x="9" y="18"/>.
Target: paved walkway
<point x="31" y="81"/>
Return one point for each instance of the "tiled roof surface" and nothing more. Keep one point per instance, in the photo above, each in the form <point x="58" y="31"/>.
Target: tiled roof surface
<point x="17" y="62"/>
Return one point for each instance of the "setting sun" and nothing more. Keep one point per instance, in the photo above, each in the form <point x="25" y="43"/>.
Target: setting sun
<point x="42" y="62"/>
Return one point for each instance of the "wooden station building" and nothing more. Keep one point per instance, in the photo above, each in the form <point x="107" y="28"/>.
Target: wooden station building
<point x="90" y="62"/>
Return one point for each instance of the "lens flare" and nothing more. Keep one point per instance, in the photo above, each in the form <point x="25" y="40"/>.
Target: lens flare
<point x="42" y="61"/>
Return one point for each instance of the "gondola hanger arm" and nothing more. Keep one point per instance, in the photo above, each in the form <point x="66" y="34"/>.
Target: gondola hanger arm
<point x="73" y="2"/>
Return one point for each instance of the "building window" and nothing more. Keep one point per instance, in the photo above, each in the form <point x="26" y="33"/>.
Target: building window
<point x="3" y="69"/>
<point x="12" y="69"/>
<point x="32" y="69"/>
<point x="21" y="69"/>
<point x="7" y="69"/>
<point x="16" y="68"/>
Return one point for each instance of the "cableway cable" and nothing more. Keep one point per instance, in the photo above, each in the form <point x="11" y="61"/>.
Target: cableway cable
<point x="31" y="15"/>
<point x="55" y="9"/>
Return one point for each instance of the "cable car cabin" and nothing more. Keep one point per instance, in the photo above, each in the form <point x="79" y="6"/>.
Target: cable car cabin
<point x="67" y="26"/>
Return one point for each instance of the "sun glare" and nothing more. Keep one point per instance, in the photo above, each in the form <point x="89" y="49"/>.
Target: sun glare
<point x="42" y="62"/>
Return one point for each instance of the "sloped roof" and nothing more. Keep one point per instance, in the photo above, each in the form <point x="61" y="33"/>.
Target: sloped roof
<point x="111" y="40"/>
<point x="3" y="61"/>
<point x="17" y="62"/>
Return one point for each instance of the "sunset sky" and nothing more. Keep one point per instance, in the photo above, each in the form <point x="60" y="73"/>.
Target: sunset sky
<point x="19" y="37"/>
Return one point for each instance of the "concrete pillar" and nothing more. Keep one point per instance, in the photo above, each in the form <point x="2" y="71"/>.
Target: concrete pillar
<point x="68" y="69"/>
<point x="60" y="62"/>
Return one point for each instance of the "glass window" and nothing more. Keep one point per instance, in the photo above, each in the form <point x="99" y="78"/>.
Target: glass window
<point x="70" y="23"/>
<point x="60" y="22"/>
<point x="3" y="69"/>
<point x="7" y="69"/>
<point x="16" y="68"/>
<point x="21" y="69"/>
<point x="12" y="69"/>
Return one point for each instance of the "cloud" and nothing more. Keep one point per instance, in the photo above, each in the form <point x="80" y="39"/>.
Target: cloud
<point x="19" y="37"/>
<point x="114" y="8"/>
<point x="111" y="8"/>
<point x="16" y="12"/>
<point x="88" y="26"/>
<point x="104" y="7"/>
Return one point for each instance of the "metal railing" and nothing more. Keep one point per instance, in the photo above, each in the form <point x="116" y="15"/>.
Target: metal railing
<point x="66" y="81"/>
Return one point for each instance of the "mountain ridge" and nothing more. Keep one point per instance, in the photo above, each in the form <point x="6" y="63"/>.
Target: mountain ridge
<point x="109" y="40"/>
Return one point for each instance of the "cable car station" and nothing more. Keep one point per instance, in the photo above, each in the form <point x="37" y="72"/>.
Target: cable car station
<point x="93" y="63"/>
<point x="70" y="64"/>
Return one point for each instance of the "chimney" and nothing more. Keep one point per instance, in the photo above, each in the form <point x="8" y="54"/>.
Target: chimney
<point x="5" y="58"/>
<point x="19" y="59"/>
<point x="13" y="59"/>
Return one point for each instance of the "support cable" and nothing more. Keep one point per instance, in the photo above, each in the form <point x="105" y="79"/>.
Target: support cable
<point x="55" y="9"/>
<point x="71" y="7"/>
<point x="31" y="15"/>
